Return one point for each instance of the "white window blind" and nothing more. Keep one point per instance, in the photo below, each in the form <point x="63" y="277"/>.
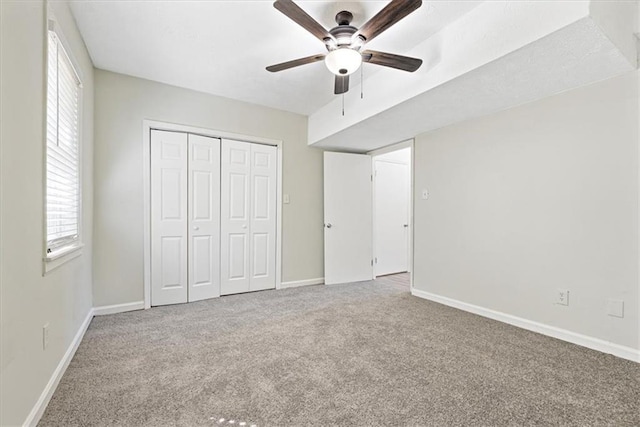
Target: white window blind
<point x="62" y="169"/>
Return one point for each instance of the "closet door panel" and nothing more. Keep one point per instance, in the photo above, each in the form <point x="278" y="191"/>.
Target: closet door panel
<point x="263" y="216"/>
<point x="204" y="217"/>
<point x="169" y="276"/>
<point x="237" y="251"/>
<point x="235" y="220"/>
<point x="260" y="255"/>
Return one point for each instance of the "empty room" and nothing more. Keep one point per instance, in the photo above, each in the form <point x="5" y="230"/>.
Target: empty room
<point x="319" y="213"/>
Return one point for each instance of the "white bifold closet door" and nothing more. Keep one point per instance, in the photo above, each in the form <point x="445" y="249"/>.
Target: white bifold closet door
<point x="248" y="223"/>
<point x="185" y="217"/>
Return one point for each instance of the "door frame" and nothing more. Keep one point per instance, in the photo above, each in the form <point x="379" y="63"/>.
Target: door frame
<point x="147" y="126"/>
<point x="388" y="149"/>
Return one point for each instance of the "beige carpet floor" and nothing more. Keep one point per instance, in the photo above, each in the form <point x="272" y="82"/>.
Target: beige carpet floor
<point x="363" y="354"/>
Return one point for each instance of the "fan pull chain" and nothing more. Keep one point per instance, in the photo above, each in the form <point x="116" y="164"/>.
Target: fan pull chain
<point x="362" y="81"/>
<point x="343" y="104"/>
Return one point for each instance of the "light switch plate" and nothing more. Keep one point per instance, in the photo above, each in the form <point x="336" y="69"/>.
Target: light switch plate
<point x="562" y="297"/>
<point x="615" y="308"/>
<point x="45" y="336"/>
<point x="285" y="199"/>
<point x="425" y="194"/>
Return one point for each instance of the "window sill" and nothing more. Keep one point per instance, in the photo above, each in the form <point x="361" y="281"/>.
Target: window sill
<point x="61" y="256"/>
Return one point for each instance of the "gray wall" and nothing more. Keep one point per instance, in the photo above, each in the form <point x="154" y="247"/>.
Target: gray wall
<point x="122" y="102"/>
<point x="62" y="298"/>
<point x="536" y="198"/>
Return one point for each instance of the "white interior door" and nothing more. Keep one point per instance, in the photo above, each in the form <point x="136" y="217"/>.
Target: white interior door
<point x="263" y="217"/>
<point x="168" y="218"/>
<point x="392" y="217"/>
<point x="348" y="233"/>
<point x="235" y="219"/>
<point x="204" y="217"/>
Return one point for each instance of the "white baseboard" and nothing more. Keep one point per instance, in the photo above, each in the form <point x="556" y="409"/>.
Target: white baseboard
<point x="118" y="308"/>
<point x="298" y="283"/>
<point x="551" y="331"/>
<point x="38" y="410"/>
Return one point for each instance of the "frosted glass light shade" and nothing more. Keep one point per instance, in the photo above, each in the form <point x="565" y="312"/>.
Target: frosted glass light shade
<point x="343" y="61"/>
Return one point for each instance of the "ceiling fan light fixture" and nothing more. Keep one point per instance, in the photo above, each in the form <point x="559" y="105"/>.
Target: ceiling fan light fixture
<point x="343" y="61"/>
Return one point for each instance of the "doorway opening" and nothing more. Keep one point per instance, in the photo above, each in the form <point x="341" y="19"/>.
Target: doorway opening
<point x="368" y="208"/>
<point x="392" y="213"/>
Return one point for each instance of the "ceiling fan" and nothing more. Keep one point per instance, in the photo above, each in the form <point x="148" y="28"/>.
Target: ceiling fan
<point x="345" y="42"/>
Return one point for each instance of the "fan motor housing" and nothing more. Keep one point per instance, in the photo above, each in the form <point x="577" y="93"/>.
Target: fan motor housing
<point x="343" y="34"/>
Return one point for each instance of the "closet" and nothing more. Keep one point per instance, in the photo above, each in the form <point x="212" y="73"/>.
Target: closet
<point x="213" y="217"/>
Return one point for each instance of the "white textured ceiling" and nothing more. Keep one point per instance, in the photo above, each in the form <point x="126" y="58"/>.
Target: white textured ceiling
<point x="223" y="47"/>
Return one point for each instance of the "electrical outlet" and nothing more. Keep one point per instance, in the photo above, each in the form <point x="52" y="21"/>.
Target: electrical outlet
<point x="562" y="297"/>
<point x="45" y="336"/>
<point x="425" y="194"/>
<point x="615" y="308"/>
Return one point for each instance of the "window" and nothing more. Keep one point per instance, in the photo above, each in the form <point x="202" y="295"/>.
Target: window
<point x="63" y="154"/>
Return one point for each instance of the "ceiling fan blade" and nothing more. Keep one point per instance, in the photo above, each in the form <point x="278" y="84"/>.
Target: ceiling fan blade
<point x="295" y="63"/>
<point x="342" y="85"/>
<point x="299" y="16"/>
<point x="390" y="15"/>
<point x="392" y="60"/>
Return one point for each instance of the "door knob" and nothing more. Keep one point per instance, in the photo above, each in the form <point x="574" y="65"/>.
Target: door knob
<point x="328" y="225"/>
<point x="406" y="226"/>
<point x="244" y="226"/>
<point x="195" y="227"/>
